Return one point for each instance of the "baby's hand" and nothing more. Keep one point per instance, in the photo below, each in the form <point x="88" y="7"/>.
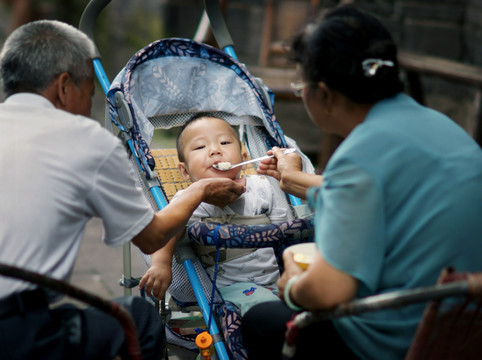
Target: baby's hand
<point x="156" y="280"/>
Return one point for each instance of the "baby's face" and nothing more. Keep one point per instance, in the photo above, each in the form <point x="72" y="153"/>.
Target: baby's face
<point x="208" y="141"/>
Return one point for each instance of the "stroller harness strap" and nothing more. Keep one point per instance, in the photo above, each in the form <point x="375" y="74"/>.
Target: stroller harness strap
<point x="208" y="254"/>
<point x="277" y="236"/>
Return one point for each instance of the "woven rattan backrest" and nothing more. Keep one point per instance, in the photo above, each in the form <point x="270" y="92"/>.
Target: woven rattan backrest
<point x="168" y="174"/>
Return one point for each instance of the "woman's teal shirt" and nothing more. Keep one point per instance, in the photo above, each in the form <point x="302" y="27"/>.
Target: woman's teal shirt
<point x="401" y="199"/>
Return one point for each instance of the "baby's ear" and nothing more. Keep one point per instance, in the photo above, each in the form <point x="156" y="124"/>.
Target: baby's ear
<point x="244" y="153"/>
<point x="244" y="157"/>
<point x="183" y="171"/>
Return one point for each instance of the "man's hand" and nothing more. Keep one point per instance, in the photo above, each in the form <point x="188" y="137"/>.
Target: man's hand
<point x="221" y="191"/>
<point x="171" y="220"/>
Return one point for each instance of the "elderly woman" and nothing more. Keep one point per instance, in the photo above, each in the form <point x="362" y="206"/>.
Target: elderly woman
<point x="399" y="200"/>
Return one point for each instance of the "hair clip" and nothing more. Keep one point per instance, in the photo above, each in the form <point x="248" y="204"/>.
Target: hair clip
<point x="370" y="66"/>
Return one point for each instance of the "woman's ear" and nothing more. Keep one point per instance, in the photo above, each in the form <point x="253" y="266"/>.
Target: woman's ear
<point x="183" y="171"/>
<point x="326" y="96"/>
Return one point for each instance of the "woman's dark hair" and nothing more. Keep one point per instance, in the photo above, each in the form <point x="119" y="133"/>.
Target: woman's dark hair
<point x="334" y="46"/>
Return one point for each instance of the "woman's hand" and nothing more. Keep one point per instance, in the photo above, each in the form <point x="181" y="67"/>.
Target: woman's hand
<point x="288" y="169"/>
<point x="291" y="269"/>
<point x="321" y="286"/>
<point x="281" y="164"/>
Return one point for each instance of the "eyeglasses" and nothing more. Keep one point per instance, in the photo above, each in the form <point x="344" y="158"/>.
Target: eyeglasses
<point x="298" y="88"/>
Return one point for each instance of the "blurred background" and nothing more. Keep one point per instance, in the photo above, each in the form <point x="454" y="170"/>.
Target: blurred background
<point x="450" y="30"/>
<point x="441" y="57"/>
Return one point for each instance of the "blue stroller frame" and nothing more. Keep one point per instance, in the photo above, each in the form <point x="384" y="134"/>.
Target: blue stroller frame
<point x="148" y="94"/>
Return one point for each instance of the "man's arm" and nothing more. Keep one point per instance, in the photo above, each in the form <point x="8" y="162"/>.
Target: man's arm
<point x="168" y="222"/>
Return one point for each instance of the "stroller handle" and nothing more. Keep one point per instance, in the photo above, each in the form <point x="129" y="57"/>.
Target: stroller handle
<point x="218" y="26"/>
<point x="89" y="16"/>
<point x="212" y="8"/>
<point x="87" y="25"/>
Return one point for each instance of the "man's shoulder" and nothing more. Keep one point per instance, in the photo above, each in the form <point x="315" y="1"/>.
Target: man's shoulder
<point x="88" y="130"/>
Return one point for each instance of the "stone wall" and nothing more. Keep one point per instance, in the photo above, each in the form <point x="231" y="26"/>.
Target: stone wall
<point x="448" y="28"/>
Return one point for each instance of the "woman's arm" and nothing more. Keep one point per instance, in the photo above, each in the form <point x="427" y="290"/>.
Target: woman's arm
<point x="297" y="182"/>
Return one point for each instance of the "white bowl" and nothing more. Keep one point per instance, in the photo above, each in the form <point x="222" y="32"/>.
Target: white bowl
<point x="303" y="254"/>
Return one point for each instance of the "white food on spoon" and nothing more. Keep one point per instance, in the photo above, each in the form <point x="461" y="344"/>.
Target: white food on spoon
<point x="225" y="165"/>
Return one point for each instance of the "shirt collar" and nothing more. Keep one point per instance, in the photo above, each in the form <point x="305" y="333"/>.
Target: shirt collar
<point x="399" y="100"/>
<point x="31" y="99"/>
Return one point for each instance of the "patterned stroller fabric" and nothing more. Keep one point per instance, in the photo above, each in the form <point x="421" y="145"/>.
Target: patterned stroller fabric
<point x="279" y="237"/>
<point x="165" y="84"/>
<point x="178" y="83"/>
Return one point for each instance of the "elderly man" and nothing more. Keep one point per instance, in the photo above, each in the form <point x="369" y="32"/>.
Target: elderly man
<point x="59" y="169"/>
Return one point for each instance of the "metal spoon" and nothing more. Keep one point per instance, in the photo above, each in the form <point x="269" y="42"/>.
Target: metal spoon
<point x="227" y="165"/>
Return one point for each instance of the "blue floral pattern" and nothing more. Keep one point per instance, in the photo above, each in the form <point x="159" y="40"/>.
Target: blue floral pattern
<point x="174" y="76"/>
<point x="279" y="236"/>
<point x="231" y="326"/>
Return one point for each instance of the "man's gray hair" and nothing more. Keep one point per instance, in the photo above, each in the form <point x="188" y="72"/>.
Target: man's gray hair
<point x="37" y="52"/>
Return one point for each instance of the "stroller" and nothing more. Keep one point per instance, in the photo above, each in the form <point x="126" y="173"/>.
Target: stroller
<point x="161" y="87"/>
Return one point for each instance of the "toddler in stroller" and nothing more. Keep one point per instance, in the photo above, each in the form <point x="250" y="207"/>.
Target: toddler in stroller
<point x="245" y="276"/>
<point x="164" y="85"/>
<point x="161" y="87"/>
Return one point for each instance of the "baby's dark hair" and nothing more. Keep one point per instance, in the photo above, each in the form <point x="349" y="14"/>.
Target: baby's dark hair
<point x="333" y="48"/>
<point x="194" y="118"/>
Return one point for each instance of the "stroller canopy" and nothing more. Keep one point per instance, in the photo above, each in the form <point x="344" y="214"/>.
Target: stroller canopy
<point x="174" y="77"/>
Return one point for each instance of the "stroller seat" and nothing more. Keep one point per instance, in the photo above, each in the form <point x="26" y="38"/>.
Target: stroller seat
<point x="229" y="236"/>
<point x="161" y="87"/>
